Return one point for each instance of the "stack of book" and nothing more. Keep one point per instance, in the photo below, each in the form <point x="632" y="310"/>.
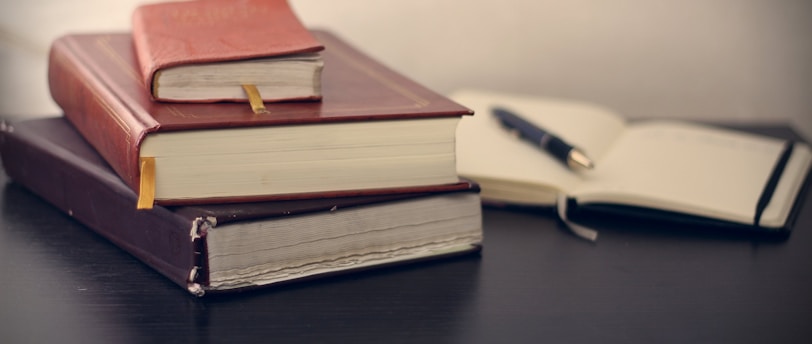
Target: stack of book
<point x="227" y="168"/>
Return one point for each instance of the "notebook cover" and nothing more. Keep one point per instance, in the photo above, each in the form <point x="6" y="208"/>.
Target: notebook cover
<point x="598" y="213"/>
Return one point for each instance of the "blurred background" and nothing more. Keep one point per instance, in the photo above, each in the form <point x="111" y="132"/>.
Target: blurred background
<point x="719" y="60"/>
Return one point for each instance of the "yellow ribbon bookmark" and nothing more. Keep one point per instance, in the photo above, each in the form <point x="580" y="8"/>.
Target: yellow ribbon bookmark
<point x="255" y="99"/>
<point x="146" y="192"/>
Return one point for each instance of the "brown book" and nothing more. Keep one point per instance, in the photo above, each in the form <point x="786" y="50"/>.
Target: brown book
<point x="205" y="51"/>
<point x="374" y="131"/>
<point x="227" y="247"/>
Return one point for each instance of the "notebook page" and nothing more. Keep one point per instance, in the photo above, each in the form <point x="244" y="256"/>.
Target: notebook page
<point x="693" y="169"/>
<point x="486" y="152"/>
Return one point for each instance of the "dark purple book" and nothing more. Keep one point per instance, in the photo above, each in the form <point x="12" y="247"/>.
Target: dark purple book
<point x="228" y="247"/>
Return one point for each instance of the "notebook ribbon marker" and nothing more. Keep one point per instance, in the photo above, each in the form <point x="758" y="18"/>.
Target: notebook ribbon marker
<point x="580" y="231"/>
<point x="255" y="99"/>
<point x="146" y="190"/>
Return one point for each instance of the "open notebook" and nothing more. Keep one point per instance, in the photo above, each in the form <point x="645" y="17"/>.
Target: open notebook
<point x="678" y="169"/>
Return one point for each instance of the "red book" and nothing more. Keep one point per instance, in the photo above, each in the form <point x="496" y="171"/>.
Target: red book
<point x="205" y="50"/>
<point x="227" y="247"/>
<point x="375" y="130"/>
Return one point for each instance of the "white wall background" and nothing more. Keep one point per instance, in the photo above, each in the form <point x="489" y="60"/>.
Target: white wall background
<point x="720" y="60"/>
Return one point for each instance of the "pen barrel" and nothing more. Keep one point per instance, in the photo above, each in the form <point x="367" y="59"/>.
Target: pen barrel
<point x="528" y="131"/>
<point x="556" y="147"/>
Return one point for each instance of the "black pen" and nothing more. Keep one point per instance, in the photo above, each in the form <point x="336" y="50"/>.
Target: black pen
<point x="566" y="153"/>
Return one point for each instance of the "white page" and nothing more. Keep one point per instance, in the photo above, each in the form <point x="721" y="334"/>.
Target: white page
<point x="487" y="152"/>
<point x="693" y="169"/>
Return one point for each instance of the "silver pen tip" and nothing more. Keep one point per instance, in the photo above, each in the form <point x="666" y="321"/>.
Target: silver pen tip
<point x="577" y="159"/>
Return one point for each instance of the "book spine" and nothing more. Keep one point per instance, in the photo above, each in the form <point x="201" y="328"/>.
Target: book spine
<point x="105" y="121"/>
<point x="158" y="237"/>
<point x="147" y="65"/>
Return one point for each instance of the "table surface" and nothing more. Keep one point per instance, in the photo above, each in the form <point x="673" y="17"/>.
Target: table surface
<point x="533" y="282"/>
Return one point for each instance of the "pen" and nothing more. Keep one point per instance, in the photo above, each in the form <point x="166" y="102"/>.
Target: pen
<point x="566" y="153"/>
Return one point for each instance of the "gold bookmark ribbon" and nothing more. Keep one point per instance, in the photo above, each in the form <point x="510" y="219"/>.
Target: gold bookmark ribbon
<point x="255" y="99"/>
<point x="146" y="192"/>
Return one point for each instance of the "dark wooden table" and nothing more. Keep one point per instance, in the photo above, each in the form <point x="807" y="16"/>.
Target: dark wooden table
<point x="533" y="283"/>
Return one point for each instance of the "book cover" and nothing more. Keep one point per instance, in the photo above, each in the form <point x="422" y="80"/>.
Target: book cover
<point x="190" y="245"/>
<point x="178" y="33"/>
<point x="94" y="79"/>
